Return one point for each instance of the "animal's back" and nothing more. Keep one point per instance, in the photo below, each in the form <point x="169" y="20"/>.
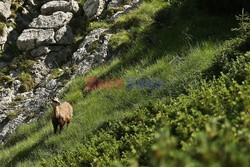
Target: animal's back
<point x="65" y="111"/>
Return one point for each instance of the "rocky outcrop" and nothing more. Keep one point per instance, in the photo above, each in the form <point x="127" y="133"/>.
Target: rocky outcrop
<point x="98" y="55"/>
<point x="47" y="33"/>
<point x="115" y="3"/>
<point x="65" y="6"/>
<point x="31" y="38"/>
<point x="93" y="36"/>
<point x="3" y="35"/>
<point x="126" y="8"/>
<point x="56" y="20"/>
<point x="93" y="8"/>
<point x="5" y="13"/>
<point x="48" y="39"/>
<point x="5" y="10"/>
<point x="64" y="36"/>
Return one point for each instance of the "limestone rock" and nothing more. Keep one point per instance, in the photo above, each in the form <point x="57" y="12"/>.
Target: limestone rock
<point x="91" y="37"/>
<point x="94" y="8"/>
<point x="4" y="10"/>
<point x="115" y="3"/>
<point x="3" y="36"/>
<point x="39" y="70"/>
<point x="65" y="6"/>
<point x="64" y="36"/>
<point x="57" y="56"/>
<point x="56" y="20"/>
<point x="31" y="38"/>
<point x="40" y="51"/>
<point x="127" y="8"/>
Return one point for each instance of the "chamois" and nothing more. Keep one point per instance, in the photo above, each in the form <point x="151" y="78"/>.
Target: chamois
<point x="62" y="114"/>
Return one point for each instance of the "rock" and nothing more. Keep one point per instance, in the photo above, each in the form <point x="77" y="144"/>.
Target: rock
<point x="64" y="36"/>
<point x="24" y="11"/>
<point x="56" y="20"/>
<point x="99" y="55"/>
<point x="16" y="85"/>
<point x="115" y="3"/>
<point x="31" y="2"/>
<point x="40" y="51"/>
<point x="116" y="15"/>
<point x="3" y="65"/>
<point x="85" y="65"/>
<point x="93" y="8"/>
<point x="4" y="10"/>
<point x="12" y="37"/>
<point x="91" y="37"/>
<point x="39" y="70"/>
<point x="57" y="57"/>
<point x="103" y="50"/>
<point x="31" y="38"/>
<point x="14" y="73"/>
<point x="6" y="95"/>
<point x="11" y="126"/>
<point x="51" y="85"/>
<point x="127" y="8"/>
<point x="65" y="6"/>
<point x="3" y="36"/>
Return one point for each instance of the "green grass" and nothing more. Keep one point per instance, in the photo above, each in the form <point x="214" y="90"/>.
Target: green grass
<point x="27" y="82"/>
<point x="178" y="52"/>
<point x="2" y="28"/>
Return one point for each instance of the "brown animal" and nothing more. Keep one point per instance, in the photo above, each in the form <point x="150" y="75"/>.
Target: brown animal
<point x="62" y="114"/>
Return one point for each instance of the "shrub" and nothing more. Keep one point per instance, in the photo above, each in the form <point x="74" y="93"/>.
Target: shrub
<point x="27" y="82"/>
<point x="2" y="28"/>
<point x="4" y="79"/>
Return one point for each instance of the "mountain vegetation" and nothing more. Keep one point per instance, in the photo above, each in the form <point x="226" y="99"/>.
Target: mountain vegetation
<point x="200" y="49"/>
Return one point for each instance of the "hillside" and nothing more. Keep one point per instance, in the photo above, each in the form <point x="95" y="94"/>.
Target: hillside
<point x="195" y="112"/>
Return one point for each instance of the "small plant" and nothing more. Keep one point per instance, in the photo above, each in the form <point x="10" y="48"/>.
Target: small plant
<point x="4" y="79"/>
<point x="19" y="98"/>
<point x="27" y="82"/>
<point x="30" y="116"/>
<point x="2" y="28"/>
<point x="56" y="73"/>
<point x="120" y="41"/>
<point x="13" y="114"/>
<point x="244" y="23"/>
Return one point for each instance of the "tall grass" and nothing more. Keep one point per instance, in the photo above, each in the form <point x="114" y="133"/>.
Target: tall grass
<point x="178" y="52"/>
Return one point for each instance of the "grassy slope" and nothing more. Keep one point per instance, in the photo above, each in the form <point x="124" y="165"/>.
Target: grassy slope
<point x="177" y="53"/>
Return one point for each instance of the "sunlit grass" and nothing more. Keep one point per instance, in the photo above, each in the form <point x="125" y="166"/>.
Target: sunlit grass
<point x="177" y="55"/>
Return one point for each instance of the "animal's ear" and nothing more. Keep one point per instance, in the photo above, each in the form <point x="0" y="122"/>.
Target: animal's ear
<point x="56" y="100"/>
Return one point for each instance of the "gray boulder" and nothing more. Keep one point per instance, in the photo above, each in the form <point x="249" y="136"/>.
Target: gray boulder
<point x="93" y="36"/>
<point x="4" y="10"/>
<point x="56" y="20"/>
<point x="31" y="38"/>
<point x="39" y="70"/>
<point x="3" y="37"/>
<point x="64" y="36"/>
<point x="115" y="3"/>
<point x="94" y="8"/>
<point x="65" y="6"/>
<point x="40" y="51"/>
<point x="57" y="57"/>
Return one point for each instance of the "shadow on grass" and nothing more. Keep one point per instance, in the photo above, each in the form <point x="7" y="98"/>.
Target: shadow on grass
<point x="24" y="154"/>
<point x="180" y="35"/>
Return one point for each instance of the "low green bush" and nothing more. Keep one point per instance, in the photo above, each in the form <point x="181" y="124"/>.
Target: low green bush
<point x="27" y="82"/>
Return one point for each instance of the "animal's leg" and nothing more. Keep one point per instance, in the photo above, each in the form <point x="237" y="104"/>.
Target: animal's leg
<point x="55" y="129"/>
<point x="55" y="125"/>
<point x="62" y="126"/>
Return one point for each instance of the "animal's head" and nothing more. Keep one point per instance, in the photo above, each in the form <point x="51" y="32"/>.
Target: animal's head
<point x="55" y="102"/>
